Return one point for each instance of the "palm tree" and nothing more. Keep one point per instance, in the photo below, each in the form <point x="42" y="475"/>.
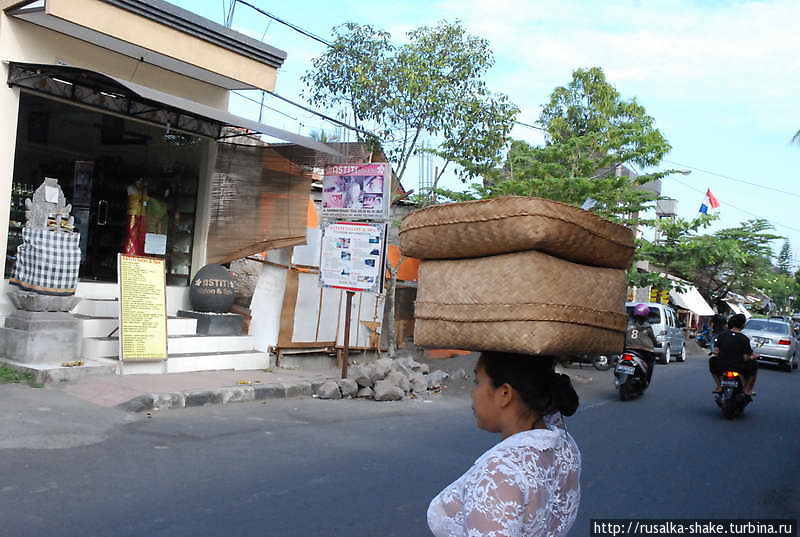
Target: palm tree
<point x="321" y="136"/>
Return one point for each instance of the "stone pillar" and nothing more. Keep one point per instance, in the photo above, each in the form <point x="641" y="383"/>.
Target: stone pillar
<point x="39" y="337"/>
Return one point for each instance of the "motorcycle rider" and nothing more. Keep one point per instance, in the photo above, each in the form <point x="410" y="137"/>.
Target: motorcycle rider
<point x="639" y="336"/>
<point x="732" y="352"/>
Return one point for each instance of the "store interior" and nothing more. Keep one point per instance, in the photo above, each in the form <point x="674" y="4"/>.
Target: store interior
<point x="132" y="185"/>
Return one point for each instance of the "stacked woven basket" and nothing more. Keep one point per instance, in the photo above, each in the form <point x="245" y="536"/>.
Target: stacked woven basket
<point x="518" y="274"/>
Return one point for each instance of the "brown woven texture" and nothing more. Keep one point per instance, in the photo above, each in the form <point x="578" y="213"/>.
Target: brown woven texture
<point x="515" y="224"/>
<point x="527" y="302"/>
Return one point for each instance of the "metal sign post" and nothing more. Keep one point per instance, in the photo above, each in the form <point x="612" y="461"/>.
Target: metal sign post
<point x="346" y="349"/>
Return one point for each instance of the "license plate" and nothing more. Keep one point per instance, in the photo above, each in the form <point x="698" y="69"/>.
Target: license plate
<point x="761" y="340"/>
<point x="625" y="369"/>
<point x="729" y="383"/>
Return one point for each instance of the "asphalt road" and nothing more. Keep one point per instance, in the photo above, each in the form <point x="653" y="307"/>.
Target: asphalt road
<point x="302" y="468"/>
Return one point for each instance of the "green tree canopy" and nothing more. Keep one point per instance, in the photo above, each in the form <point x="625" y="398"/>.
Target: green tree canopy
<point x="590" y="131"/>
<point x="430" y="88"/>
<point x="785" y="258"/>
<point x="730" y="260"/>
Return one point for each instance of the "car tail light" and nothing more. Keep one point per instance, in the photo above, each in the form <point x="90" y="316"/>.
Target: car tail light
<point x="784" y="342"/>
<point x="627" y="357"/>
<point x="731" y="374"/>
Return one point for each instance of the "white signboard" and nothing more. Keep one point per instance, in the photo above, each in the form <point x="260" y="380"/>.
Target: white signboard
<point x="356" y="191"/>
<point x="352" y="256"/>
<point x="155" y="244"/>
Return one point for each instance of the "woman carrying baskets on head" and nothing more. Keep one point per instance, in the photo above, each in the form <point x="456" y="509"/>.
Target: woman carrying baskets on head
<point x="528" y="484"/>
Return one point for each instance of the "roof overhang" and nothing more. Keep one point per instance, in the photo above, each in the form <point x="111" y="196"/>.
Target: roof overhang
<point x="219" y="56"/>
<point x="119" y="97"/>
<point x="738" y="308"/>
<point x="691" y="299"/>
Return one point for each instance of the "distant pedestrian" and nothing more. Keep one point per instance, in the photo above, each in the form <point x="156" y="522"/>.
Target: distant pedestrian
<point x="528" y="484"/>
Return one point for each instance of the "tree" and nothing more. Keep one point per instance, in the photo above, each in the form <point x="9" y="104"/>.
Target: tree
<point x="321" y="135"/>
<point x="730" y="260"/>
<point x="431" y="87"/>
<point x="590" y="131"/>
<point x="785" y="258"/>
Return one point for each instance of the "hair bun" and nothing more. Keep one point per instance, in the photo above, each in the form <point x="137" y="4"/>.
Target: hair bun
<point x="565" y="398"/>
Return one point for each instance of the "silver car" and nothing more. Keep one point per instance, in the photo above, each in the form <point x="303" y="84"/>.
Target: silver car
<point x="773" y="341"/>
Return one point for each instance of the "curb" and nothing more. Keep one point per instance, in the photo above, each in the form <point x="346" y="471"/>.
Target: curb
<point x="219" y="396"/>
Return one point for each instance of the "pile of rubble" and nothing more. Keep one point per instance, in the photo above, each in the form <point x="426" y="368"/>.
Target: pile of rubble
<point x="383" y="380"/>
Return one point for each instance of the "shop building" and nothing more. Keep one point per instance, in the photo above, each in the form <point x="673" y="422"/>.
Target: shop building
<point x="124" y="101"/>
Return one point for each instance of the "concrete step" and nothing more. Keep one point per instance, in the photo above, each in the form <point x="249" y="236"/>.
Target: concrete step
<point x="97" y="308"/>
<point x="182" y="363"/>
<point x="51" y="373"/>
<point x="108" y="347"/>
<point x="103" y="326"/>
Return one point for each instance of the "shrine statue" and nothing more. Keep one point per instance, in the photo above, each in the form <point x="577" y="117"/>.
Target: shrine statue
<point x="49" y="258"/>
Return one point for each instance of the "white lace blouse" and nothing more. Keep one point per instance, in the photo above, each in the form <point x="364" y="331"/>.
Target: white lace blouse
<point x="525" y="486"/>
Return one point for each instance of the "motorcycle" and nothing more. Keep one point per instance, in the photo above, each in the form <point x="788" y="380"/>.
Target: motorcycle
<point x="703" y="338"/>
<point x="630" y="375"/>
<point x="731" y="399"/>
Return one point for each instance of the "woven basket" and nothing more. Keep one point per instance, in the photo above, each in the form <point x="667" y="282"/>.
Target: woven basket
<point x="515" y="224"/>
<point x="527" y="302"/>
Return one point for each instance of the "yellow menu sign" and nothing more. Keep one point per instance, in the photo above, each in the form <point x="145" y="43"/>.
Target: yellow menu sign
<point x="143" y="308"/>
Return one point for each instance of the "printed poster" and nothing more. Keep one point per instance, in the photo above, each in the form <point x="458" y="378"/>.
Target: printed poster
<point x="352" y="256"/>
<point x="356" y="191"/>
<point x="142" y="308"/>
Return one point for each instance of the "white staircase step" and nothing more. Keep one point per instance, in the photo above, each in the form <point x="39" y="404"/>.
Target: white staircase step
<point x="103" y="326"/>
<point x="182" y="363"/>
<point x="99" y="347"/>
<point x="97" y="308"/>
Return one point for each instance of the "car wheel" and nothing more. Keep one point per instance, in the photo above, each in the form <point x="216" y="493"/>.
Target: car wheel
<point x="788" y="367"/>
<point x="795" y="364"/>
<point x="667" y="355"/>
<point x="682" y="354"/>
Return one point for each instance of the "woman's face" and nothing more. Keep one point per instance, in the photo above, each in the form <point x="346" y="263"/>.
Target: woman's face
<point x="484" y="402"/>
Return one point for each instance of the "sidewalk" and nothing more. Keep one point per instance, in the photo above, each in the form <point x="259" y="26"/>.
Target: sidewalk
<point x="141" y="393"/>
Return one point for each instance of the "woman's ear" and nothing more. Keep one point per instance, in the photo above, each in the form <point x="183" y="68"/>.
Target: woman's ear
<point x="504" y="395"/>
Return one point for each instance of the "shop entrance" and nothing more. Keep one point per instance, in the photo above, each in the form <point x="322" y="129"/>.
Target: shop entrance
<point x="132" y="186"/>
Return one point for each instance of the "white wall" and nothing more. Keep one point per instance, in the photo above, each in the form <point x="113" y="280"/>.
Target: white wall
<point x="267" y="303"/>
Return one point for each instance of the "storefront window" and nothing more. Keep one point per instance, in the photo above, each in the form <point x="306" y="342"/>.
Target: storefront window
<point x="132" y="186"/>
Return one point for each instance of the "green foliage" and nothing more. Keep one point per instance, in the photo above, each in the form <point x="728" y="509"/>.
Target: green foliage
<point x="599" y="127"/>
<point x="730" y="260"/>
<point x="590" y="131"/>
<point x="430" y="87"/>
<point x="12" y="376"/>
<point x="785" y="258"/>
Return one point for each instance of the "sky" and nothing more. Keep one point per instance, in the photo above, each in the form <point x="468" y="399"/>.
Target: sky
<point x="720" y="77"/>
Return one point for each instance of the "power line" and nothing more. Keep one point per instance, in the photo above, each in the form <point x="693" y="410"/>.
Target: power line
<point x="243" y="96"/>
<point x="734" y="179"/>
<point x="286" y="23"/>
<point x="728" y="204"/>
<point x="530" y="126"/>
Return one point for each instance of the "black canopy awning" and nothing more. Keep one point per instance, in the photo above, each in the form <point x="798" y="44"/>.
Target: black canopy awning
<point x="113" y="95"/>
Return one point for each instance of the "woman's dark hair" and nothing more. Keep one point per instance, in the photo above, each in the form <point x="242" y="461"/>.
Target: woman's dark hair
<point x="737" y="321"/>
<point x="534" y="378"/>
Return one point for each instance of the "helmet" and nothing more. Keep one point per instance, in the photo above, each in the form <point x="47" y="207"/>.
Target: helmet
<point x="641" y="310"/>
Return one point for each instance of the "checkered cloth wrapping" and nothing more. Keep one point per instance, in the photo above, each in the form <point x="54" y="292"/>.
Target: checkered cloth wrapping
<point x="48" y="262"/>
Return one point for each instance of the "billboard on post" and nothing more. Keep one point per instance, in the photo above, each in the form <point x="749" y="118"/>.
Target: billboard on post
<point x="356" y="191"/>
<point x="353" y="256"/>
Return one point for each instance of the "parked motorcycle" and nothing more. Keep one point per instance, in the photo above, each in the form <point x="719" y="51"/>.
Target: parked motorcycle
<point x="601" y="362"/>
<point x="630" y="375"/>
<point x="732" y="399"/>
